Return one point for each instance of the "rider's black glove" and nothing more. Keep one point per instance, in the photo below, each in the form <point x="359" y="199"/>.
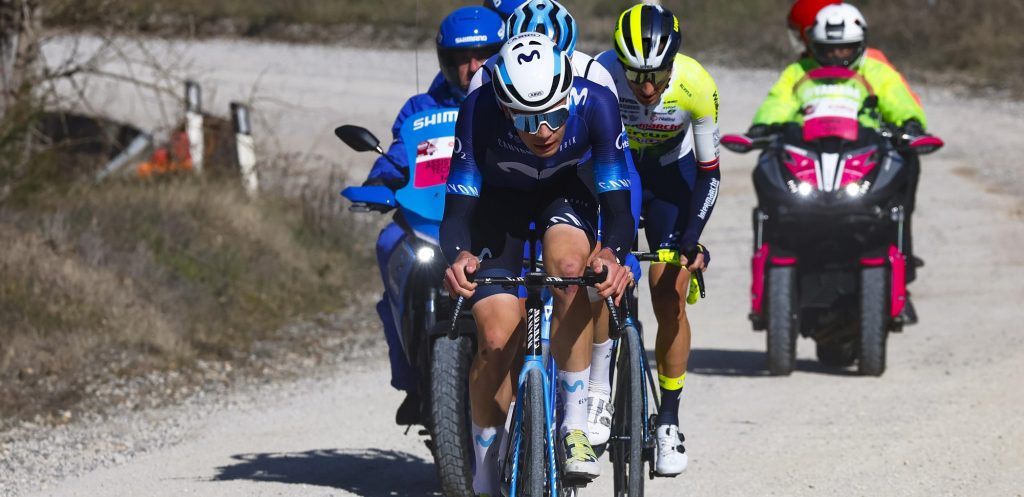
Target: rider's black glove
<point x="691" y="251"/>
<point x="911" y="128"/>
<point x="392" y="183"/>
<point x="759" y="131"/>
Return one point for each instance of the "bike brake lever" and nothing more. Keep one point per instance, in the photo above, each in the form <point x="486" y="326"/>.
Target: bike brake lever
<point x="360" y="207"/>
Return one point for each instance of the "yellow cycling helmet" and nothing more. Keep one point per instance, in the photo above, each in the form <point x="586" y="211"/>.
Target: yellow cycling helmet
<point x="647" y="37"/>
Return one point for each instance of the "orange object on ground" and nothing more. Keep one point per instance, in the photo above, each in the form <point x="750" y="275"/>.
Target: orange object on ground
<point x="168" y="158"/>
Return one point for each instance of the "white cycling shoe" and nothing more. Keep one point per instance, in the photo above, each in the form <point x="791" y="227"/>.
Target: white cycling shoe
<point x="580" y="459"/>
<point x="599" y="418"/>
<point x="672" y="458"/>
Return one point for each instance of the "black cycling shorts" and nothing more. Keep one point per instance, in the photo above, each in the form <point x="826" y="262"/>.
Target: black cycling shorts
<point x="501" y="225"/>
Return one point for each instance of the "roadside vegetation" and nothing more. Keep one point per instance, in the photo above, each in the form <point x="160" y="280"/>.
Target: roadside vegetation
<point x="977" y="42"/>
<point x="129" y="277"/>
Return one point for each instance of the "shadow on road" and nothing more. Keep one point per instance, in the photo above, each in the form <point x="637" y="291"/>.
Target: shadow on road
<point x="369" y="472"/>
<point x="721" y="362"/>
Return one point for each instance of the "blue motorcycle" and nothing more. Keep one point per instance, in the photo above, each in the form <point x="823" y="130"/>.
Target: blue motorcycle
<point x="419" y="303"/>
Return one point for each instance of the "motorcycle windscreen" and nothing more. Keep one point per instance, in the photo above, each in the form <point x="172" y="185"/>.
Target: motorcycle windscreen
<point x="831" y="117"/>
<point x="429" y="138"/>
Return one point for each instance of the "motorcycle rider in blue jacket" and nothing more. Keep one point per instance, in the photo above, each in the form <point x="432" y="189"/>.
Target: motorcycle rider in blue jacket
<point x="465" y="40"/>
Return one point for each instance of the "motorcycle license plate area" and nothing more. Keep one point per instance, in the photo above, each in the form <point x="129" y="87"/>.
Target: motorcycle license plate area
<point x="429" y="138"/>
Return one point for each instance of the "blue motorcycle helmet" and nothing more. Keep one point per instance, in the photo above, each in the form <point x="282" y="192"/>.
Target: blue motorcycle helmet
<point x="504" y="8"/>
<point x="544" y="16"/>
<point x="468" y="32"/>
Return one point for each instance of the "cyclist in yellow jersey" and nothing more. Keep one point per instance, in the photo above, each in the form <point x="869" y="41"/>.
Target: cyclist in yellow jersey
<point x="669" y="106"/>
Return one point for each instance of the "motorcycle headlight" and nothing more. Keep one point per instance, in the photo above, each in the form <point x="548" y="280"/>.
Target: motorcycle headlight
<point x="425" y="254"/>
<point x="804" y="189"/>
<point x="853" y="189"/>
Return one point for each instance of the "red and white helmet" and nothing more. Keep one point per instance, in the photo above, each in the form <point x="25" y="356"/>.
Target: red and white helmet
<point x="838" y="25"/>
<point x="801" y="18"/>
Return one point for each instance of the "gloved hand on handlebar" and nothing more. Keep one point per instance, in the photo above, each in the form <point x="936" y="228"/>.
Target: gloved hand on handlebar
<point x="912" y="128"/>
<point x="763" y="130"/>
<point x="392" y="183"/>
<point x="690" y="253"/>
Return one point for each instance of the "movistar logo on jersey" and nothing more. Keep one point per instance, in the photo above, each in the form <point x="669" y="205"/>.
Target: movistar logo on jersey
<point x="448" y="116"/>
<point x="578" y="97"/>
<point x="710" y="200"/>
<point x="470" y="39"/>
<point x="523" y="58"/>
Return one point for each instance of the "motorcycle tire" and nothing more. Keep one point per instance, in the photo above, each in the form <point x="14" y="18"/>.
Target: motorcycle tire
<point x="448" y="422"/>
<point x="874" y="320"/>
<point x="782" y="320"/>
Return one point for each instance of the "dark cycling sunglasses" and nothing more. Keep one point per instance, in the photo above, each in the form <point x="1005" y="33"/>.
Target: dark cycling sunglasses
<point x="530" y="123"/>
<point x="656" y="78"/>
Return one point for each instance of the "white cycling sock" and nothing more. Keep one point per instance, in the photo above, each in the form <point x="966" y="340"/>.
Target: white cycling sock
<point x="600" y="362"/>
<point x="486" y="441"/>
<point x="573" y="386"/>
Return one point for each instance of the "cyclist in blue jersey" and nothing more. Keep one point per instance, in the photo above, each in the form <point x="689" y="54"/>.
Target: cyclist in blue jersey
<point x="465" y="39"/>
<point x="553" y="19"/>
<point x="519" y="143"/>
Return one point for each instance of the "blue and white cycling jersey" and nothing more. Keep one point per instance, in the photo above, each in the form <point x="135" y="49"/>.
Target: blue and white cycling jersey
<point x="488" y="152"/>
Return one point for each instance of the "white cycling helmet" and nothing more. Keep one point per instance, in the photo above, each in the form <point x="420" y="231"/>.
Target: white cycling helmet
<point x="531" y="74"/>
<point x="835" y="25"/>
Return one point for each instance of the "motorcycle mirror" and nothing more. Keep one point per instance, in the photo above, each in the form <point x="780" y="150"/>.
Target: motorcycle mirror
<point x="740" y="144"/>
<point x="358" y="138"/>
<point x="925" y="144"/>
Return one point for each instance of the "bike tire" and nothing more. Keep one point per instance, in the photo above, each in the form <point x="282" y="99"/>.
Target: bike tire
<point x="782" y="321"/>
<point x="532" y="475"/>
<point x="874" y="320"/>
<point x="628" y="437"/>
<point x="449" y="423"/>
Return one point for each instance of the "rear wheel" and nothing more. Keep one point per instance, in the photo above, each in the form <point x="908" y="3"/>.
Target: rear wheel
<point x="782" y="320"/>
<point x="449" y="423"/>
<point x="627" y="441"/>
<point x="874" y="320"/>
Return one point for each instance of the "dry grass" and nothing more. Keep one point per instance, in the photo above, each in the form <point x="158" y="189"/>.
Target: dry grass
<point x="162" y="272"/>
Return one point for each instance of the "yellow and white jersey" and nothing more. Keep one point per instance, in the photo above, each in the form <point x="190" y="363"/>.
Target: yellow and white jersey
<point x="663" y="131"/>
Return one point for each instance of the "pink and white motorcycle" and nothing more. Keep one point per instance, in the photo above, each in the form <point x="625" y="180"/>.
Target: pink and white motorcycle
<point x="828" y="259"/>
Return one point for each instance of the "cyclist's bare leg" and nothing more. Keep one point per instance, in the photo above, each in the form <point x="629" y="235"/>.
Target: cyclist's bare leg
<point x="672" y="349"/>
<point x="497" y="317"/>
<point x="566" y="250"/>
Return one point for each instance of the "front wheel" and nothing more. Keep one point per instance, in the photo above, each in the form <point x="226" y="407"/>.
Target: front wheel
<point x="782" y="320"/>
<point x="448" y="422"/>
<point x="526" y="461"/>
<point x="628" y="419"/>
<point x="874" y="320"/>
